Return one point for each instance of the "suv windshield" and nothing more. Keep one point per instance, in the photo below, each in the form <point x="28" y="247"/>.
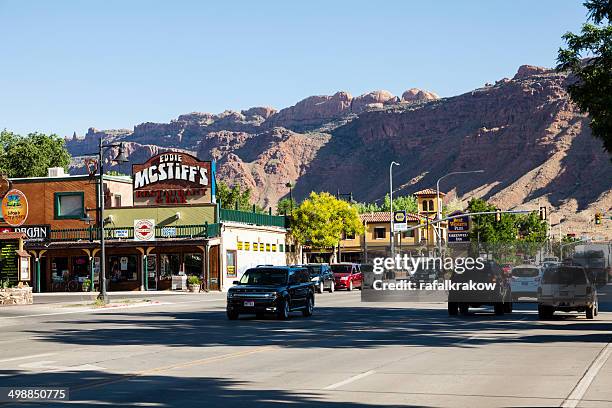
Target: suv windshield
<point x="264" y="276"/>
<point x="314" y="270"/>
<point x="341" y="268"/>
<point x="525" y="272"/>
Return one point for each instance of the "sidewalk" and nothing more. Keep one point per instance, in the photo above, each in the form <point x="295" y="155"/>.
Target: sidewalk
<point x="79" y="297"/>
<point x="76" y="302"/>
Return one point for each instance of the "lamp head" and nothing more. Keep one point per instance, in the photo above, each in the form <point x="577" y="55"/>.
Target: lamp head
<point x="121" y="156"/>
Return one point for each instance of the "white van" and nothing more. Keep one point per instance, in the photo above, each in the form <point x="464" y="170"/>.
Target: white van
<point x="566" y="288"/>
<point x="525" y="281"/>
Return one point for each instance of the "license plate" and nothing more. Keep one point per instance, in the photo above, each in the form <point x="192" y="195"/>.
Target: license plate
<point x="524" y="283"/>
<point x="249" y="303"/>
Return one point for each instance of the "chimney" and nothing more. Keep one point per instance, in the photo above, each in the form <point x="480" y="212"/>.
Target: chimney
<point x="55" y="172"/>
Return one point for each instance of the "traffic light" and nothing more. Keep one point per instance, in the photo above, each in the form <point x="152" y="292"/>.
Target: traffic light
<point x="543" y="213"/>
<point x="497" y="215"/>
<point x="598" y="217"/>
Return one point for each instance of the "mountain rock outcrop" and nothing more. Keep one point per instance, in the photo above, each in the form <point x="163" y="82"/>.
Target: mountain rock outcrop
<point x="533" y="144"/>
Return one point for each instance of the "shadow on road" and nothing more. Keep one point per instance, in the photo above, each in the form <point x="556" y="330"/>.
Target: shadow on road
<point x="93" y="388"/>
<point x="337" y="327"/>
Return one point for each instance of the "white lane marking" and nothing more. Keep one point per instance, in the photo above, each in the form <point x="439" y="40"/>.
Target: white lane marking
<point x="583" y="385"/>
<point x="50" y="366"/>
<point x="6" y="360"/>
<point x="349" y="380"/>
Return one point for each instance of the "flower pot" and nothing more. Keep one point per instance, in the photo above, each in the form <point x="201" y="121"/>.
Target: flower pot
<point x="194" y="288"/>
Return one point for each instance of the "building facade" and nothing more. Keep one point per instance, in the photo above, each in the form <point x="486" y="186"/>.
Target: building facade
<point x="160" y="225"/>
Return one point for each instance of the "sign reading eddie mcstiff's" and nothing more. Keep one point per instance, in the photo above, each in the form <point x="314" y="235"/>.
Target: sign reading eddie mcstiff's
<point x="173" y="178"/>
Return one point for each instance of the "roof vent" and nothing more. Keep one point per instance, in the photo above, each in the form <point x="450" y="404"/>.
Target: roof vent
<point x="56" y="172"/>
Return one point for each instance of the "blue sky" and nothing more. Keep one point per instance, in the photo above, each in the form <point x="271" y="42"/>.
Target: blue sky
<point x="68" y="65"/>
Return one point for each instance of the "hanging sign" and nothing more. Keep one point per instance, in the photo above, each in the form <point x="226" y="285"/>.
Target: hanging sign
<point x="15" y="208"/>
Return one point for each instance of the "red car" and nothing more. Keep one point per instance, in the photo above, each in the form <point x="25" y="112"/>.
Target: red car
<point x="347" y="276"/>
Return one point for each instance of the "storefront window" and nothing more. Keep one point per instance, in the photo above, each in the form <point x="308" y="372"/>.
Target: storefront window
<point x="231" y="264"/>
<point x="80" y="267"/>
<point x="169" y="265"/>
<point x="123" y="268"/>
<point x="59" y="269"/>
<point x="193" y="264"/>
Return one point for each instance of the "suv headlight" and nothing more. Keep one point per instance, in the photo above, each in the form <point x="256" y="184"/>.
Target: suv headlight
<point x="230" y="294"/>
<point x="270" y="295"/>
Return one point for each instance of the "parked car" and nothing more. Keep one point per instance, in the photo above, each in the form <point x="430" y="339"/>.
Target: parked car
<point x="271" y="289"/>
<point x="321" y="275"/>
<point x="525" y="280"/>
<point x="425" y="275"/>
<point x="566" y="288"/>
<point x="500" y="297"/>
<point x="347" y="276"/>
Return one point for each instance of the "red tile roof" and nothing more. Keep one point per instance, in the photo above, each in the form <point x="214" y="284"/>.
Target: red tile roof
<point x="386" y="217"/>
<point x="427" y="192"/>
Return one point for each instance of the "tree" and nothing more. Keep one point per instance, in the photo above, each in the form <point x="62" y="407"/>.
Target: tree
<point x="233" y="197"/>
<point x="406" y="203"/>
<point x="322" y="219"/>
<point x="363" y="208"/>
<point x="115" y="173"/>
<point x="589" y="57"/>
<point x="285" y="206"/>
<point x="32" y="155"/>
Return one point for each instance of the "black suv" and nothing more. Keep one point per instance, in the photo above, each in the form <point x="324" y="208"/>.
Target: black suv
<point x="321" y="276"/>
<point x="271" y="289"/>
<point x="500" y="297"/>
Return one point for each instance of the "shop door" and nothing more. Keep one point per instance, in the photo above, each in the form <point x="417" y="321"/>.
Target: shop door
<point x="151" y="272"/>
<point x="214" y="268"/>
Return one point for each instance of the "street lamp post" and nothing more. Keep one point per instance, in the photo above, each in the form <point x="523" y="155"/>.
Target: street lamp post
<point x="391" y="206"/>
<point x="120" y="158"/>
<point x="438" y="206"/>
<point x="290" y="186"/>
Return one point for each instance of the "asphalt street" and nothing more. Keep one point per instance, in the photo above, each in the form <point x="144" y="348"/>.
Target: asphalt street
<point x="182" y="352"/>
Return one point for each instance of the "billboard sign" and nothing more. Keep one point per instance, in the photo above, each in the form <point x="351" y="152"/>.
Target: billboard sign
<point x="173" y="178"/>
<point x="459" y="224"/>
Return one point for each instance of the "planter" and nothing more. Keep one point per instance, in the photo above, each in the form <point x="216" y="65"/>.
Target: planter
<point x="16" y="296"/>
<point x="194" y="288"/>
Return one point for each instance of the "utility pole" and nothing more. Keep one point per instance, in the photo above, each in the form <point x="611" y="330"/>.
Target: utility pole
<point x="391" y="205"/>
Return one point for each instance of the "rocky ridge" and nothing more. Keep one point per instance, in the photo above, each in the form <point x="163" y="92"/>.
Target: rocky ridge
<point x="532" y="142"/>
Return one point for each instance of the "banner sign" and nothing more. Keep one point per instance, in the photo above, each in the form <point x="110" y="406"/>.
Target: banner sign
<point x="121" y="233"/>
<point x="459" y="224"/>
<point x="168" y="232"/>
<point x="34" y="233"/>
<point x="15" y="208"/>
<point x="173" y="178"/>
<point x="399" y="221"/>
<point x="144" y="230"/>
<point x="458" y="237"/>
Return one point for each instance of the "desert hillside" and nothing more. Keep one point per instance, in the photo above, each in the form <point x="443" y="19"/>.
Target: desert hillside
<point x="532" y="142"/>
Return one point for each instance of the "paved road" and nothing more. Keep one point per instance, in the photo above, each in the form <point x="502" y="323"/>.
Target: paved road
<point x="184" y="353"/>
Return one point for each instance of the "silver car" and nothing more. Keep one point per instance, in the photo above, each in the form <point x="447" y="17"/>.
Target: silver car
<point x="566" y="288"/>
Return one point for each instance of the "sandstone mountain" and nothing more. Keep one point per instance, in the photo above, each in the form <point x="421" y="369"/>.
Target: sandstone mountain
<point x="533" y="144"/>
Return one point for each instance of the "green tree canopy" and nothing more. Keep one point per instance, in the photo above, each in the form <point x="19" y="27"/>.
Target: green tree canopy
<point x="233" y="197"/>
<point x="285" y="206"/>
<point x="511" y="227"/>
<point x="322" y="219"/>
<point x="589" y="56"/>
<point x="31" y="155"/>
<point x="407" y="203"/>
